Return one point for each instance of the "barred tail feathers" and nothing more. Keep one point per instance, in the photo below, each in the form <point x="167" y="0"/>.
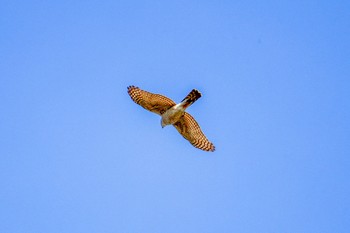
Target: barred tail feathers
<point x="192" y="97"/>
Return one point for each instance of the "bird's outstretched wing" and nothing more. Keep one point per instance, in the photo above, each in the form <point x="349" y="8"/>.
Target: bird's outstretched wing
<point x="189" y="129"/>
<point x="153" y="102"/>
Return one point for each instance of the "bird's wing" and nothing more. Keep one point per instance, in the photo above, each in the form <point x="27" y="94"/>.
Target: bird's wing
<point x="153" y="102"/>
<point x="189" y="129"/>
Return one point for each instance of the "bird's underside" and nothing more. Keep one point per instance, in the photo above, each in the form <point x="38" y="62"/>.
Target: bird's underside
<point x="174" y="114"/>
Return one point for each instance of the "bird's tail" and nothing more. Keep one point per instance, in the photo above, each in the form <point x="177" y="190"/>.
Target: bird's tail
<point x="192" y="97"/>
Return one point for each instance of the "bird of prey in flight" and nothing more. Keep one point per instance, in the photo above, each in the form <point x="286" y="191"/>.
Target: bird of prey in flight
<point x="174" y="114"/>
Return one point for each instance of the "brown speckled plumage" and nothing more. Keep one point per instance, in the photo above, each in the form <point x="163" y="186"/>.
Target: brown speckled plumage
<point x="153" y="102"/>
<point x="186" y="125"/>
<point x="189" y="129"/>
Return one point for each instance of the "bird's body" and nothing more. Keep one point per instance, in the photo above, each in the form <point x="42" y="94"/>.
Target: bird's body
<point x="174" y="114"/>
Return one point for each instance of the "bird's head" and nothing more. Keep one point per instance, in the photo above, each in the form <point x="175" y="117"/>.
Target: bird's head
<point x="162" y="123"/>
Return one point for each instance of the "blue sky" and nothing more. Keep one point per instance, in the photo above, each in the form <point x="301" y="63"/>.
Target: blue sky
<point x="77" y="155"/>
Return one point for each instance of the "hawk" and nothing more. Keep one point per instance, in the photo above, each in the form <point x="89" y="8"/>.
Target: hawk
<point x="174" y="114"/>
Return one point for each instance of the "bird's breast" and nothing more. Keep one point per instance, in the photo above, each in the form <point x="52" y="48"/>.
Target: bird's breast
<point x="172" y="115"/>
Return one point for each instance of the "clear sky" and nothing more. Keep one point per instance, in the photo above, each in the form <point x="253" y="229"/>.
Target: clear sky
<point x="77" y="155"/>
